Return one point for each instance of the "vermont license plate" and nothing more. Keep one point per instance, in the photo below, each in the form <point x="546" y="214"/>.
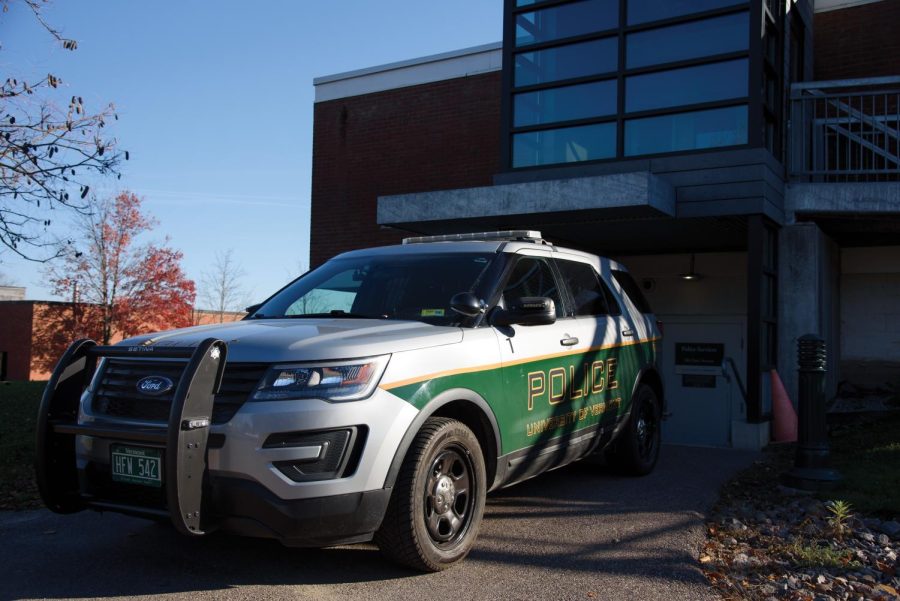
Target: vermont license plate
<point x="136" y="465"/>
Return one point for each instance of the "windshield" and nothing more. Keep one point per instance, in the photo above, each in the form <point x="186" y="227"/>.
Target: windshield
<point x="411" y="287"/>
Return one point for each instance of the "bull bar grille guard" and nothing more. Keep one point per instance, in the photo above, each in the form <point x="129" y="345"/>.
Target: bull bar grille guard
<point x="184" y="439"/>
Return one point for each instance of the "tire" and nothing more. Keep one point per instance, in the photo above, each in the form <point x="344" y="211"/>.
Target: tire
<point x="437" y="504"/>
<point x="636" y="450"/>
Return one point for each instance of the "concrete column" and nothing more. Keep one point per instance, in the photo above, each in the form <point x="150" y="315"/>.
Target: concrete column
<point x="808" y="299"/>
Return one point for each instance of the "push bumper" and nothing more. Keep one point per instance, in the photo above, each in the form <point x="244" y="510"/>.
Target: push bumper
<point x="184" y="438"/>
<point x="218" y="477"/>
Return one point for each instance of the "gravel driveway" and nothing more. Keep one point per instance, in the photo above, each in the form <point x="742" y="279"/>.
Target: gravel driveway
<point x="575" y="533"/>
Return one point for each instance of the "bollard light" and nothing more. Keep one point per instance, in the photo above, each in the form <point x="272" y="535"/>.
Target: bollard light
<point x="812" y="469"/>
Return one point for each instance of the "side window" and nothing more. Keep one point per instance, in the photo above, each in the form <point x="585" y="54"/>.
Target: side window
<point x="611" y="300"/>
<point x="632" y="290"/>
<point x="585" y="288"/>
<point x="532" y="277"/>
<point x="590" y="294"/>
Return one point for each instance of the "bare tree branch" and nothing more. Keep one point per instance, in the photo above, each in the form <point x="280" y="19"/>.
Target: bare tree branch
<point x="220" y="286"/>
<point x="48" y="155"/>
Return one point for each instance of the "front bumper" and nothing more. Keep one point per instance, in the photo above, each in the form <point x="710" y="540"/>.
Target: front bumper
<point x="247" y="493"/>
<point x="247" y="508"/>
<point x="250" y="475"/>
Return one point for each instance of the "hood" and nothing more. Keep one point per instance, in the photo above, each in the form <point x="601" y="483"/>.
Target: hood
<point x="288" y="340"/>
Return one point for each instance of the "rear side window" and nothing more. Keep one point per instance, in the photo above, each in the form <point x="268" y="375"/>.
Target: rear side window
<point x="632" y="290"/>
<point x="589" y="294"/>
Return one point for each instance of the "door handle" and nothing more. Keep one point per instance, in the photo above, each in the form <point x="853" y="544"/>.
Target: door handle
<point x="627" y="332"/>
<point x="569" y="341"/>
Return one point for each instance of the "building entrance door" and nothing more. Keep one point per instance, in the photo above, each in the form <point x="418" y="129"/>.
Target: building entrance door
<point x="703" y="394"/>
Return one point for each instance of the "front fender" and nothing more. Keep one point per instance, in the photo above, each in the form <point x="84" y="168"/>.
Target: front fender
<point x="439" y="402"/>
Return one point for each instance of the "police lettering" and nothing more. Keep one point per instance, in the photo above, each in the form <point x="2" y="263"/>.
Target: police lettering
<point x="560" y="384"/>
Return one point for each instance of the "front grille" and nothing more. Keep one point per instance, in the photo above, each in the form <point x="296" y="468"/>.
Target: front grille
<point x="117" y="394"/>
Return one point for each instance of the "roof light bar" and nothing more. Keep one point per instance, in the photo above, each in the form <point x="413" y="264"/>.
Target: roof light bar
<point x="507" y="235"/>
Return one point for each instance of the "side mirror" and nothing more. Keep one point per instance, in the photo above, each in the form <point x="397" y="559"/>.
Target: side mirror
<point x="466" y="303"/>
<point x="252" y="308"/>
<point x="527" y="311"/>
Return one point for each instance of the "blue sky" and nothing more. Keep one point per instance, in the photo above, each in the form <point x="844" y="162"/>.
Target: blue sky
<point x="215" y="103"/>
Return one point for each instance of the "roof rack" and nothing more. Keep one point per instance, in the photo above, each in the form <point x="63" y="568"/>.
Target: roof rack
<point x="507" y="236"/>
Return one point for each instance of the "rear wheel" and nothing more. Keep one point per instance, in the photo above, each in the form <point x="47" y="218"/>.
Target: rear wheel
<point x="438" y="501"/>
<point x="636" y="450"/>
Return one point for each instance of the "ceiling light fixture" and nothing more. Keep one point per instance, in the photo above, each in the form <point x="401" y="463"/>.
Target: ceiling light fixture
<point x="691" y="276"/>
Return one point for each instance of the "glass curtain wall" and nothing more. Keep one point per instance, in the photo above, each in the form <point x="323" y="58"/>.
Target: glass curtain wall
<point x="604" y="79"/>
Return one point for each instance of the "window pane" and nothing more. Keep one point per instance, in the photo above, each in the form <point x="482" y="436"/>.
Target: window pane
<point x="633" y="291"/>
<point x="612" y="303"/>
<point x="730" y="33"/>
<point x="564" y="62"/>
<point x="642" y="11"/>
<point x="566" y="145"/>
<point x="567" y="103"/>
<point x="566" y="20"/>
<point x="532" y="277"/>
<point x="584" y="286"/>
<point x="768" y="295"/>
<point x="705" y="83"/>
<point x="686" y="131"/>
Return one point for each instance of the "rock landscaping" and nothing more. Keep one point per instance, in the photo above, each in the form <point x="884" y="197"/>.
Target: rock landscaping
<point x="768" y="542"/>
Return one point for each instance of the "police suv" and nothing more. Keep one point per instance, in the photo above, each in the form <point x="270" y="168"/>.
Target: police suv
<point x="380" y="396"/>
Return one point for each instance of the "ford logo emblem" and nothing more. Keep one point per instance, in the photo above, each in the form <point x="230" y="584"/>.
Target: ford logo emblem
<point x="154" y="385"/>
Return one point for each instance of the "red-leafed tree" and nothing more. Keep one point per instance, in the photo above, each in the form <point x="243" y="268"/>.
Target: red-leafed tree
<point x="160" y="297"/>
<point x="135" y="287"/>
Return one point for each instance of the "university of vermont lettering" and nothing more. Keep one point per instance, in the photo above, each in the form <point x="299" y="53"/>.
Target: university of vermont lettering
<point x="583" y="384"/>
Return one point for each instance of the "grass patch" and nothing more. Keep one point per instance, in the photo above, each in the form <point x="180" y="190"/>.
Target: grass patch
<point x="819" y="555"/>
<point x="18" y="415"/>
<point x="867" y="455"/>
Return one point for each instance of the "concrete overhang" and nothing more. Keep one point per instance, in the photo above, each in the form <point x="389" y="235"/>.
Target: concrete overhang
<point x="617" y="196"/>
<point x="843" y="198"/>
<point x="853" y="214"/>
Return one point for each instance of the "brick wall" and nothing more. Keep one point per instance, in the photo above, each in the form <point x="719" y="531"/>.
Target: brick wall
<point x="205" y="317"/>
<point x="861" y="41"/>
<point x="434" y="136"/>
<point x="15" y="338"/>
<point x="54" y="327"/>
<point x="35" y="334"/>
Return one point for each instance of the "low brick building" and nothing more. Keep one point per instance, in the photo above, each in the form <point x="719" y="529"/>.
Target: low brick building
<point x="34" y="334"/>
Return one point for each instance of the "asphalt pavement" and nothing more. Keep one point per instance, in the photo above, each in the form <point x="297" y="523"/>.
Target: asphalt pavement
<point x="580" y="532"/>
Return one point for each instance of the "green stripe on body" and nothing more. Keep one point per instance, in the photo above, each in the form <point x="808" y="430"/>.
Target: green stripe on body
<point x="561" y="410"/>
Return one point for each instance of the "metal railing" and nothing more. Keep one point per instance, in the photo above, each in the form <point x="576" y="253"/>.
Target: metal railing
<point x="845" y="130"/>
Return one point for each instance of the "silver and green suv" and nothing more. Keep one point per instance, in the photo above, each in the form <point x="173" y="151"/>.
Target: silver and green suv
<point x="381" y="395"/>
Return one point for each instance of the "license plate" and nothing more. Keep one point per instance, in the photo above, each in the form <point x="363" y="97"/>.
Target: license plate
<point x="136" y="465"/>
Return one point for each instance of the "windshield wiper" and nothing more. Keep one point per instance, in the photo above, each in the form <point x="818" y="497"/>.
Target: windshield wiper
<point x="335" y="313"/>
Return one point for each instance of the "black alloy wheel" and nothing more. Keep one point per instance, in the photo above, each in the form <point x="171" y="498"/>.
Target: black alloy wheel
<point x="647" y="432"/>
<point x="448" y="501"/>
<point x="437" y="504"/>
<point x="636" y="450"/>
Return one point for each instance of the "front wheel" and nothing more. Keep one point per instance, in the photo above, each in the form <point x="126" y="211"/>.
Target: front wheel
<point x="637" y="449"/>
<point x="438" y="501"/>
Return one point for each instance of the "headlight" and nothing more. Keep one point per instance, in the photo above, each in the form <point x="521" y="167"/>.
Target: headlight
<point x="336" y="381"/>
